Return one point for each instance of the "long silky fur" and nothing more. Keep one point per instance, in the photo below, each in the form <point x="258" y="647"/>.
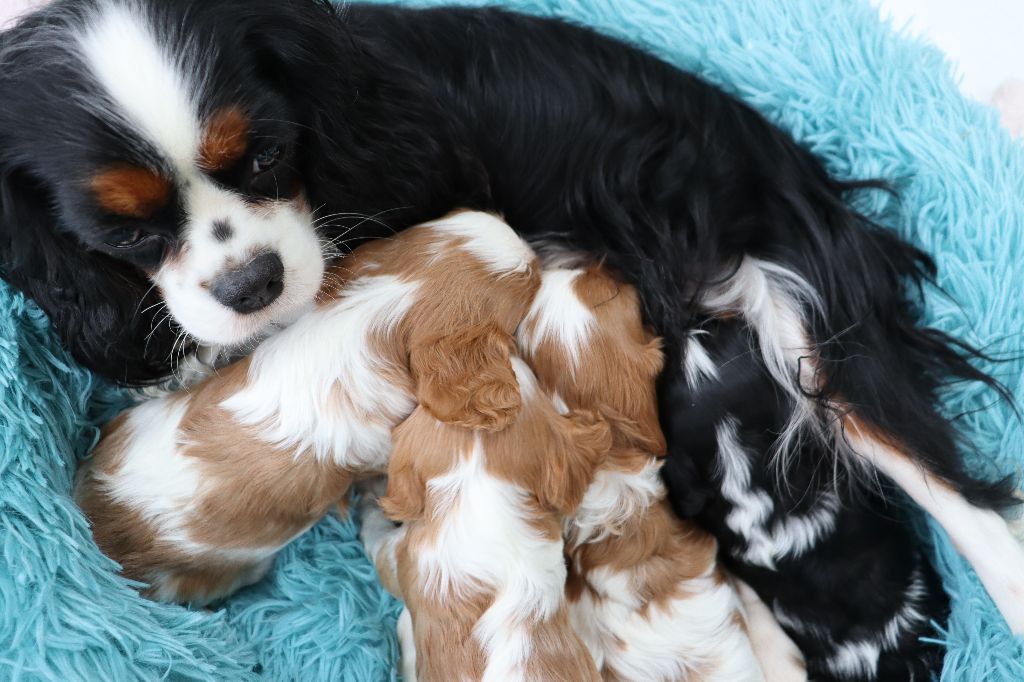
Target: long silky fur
<point x="840" y="582"/>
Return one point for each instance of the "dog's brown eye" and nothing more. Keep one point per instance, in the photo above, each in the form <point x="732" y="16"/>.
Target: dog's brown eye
<point x="266" y="159"/>
<point x="127" y="238"/>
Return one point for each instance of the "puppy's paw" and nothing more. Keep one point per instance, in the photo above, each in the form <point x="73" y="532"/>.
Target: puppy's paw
<point x="375" y="526"/>
<point x="368" y="493"/>
<point x="370" y="490"/>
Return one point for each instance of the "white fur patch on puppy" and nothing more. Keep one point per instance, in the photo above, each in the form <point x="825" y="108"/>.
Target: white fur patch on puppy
<point x="613" y="498"/>
<point x="488" y="238"/>
<point x="557" y="313"/>
<point x="316" y="385"/>
<point x="155" y="478"/>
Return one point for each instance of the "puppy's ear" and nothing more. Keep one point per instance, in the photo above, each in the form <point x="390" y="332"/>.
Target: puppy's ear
<point x="405" y="499"/>
<point x="641" y="440"/>
<point x="580" y="449"/>
<point x="96" y="304"/>
<point x="653" y="358"/>
<point x="466" y="378"/>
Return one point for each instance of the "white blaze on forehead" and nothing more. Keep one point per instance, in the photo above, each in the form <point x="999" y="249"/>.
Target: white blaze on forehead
<point x="558" y="315"/>
<point x="145" y="82"/>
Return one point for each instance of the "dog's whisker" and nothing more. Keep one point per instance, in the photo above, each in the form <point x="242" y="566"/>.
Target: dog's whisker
<point x="159" y="304"/>
<point x="142" y="300"/>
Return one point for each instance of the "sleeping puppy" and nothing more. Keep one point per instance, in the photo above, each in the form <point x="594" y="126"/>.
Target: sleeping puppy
<point x="194" y="493"/>
<point x="478" y="559"/>
<point x="645" y="590"/>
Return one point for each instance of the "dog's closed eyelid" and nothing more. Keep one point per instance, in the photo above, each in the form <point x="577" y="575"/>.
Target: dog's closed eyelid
<point x="125" y="237"/>
<point x="146" y="250"/>
<point x="130" y="191"/>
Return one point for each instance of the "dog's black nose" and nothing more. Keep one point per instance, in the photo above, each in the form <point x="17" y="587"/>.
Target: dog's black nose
<point x="251" y="287"/>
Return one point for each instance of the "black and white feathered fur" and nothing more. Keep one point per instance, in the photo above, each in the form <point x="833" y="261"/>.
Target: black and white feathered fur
<point x="839" y="566"/>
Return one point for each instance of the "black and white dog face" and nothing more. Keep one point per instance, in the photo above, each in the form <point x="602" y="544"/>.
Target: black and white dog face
<point x="161" y="162"/>
<point x="198" y="186"/>
<point x="150" y="155"/>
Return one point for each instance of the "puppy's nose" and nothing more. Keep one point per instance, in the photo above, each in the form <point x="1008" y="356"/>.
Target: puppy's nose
<point x="251" y="287"/>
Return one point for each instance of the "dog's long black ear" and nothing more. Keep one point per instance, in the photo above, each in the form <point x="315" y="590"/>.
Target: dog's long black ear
<point x="96" y="304"/>
<point x="375" y="137"/>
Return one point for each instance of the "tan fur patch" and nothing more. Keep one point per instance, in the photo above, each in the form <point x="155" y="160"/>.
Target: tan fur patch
<point x="257" y="494"/>
<point x="550" y="456"/>
<point x="670" y="553"/>
<point x="619" y="365"/>
<point x="131" y="191"/>
<point x="446" y="648"/>
<point x="225" y="139"/>
<point x="854" y="424"/>
<point x="558" y="655"/>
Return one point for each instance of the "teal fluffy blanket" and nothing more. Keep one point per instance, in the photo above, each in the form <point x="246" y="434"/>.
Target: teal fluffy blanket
<point x="869" y="102"/>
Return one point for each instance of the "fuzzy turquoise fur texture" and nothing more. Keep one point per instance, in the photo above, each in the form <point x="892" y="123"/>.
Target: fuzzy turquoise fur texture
<point x="866" y="100"/>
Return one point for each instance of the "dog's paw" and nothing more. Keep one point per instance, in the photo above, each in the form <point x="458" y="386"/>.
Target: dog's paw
<point x="375" y="526"/>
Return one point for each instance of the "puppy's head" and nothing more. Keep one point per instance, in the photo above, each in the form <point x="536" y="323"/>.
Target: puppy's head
<point x="155" y="173"/>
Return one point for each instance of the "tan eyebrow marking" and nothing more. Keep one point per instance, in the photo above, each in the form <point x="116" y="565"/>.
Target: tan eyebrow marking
<point x="131" y="191"/>
<point x="225" y="139"/>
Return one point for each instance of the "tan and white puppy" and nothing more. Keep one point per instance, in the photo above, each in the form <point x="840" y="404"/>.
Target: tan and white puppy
<point x="195" y="492"/>
<point x="645" y="590"/>
<point x="479" y="560"/>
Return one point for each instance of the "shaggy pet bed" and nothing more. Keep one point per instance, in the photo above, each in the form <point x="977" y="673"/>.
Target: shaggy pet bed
<point x="869" y="102"/>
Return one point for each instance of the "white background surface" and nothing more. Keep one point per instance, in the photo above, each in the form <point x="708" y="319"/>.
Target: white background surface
<point x="984" y="37"/>
<point x="11" y="8"/>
